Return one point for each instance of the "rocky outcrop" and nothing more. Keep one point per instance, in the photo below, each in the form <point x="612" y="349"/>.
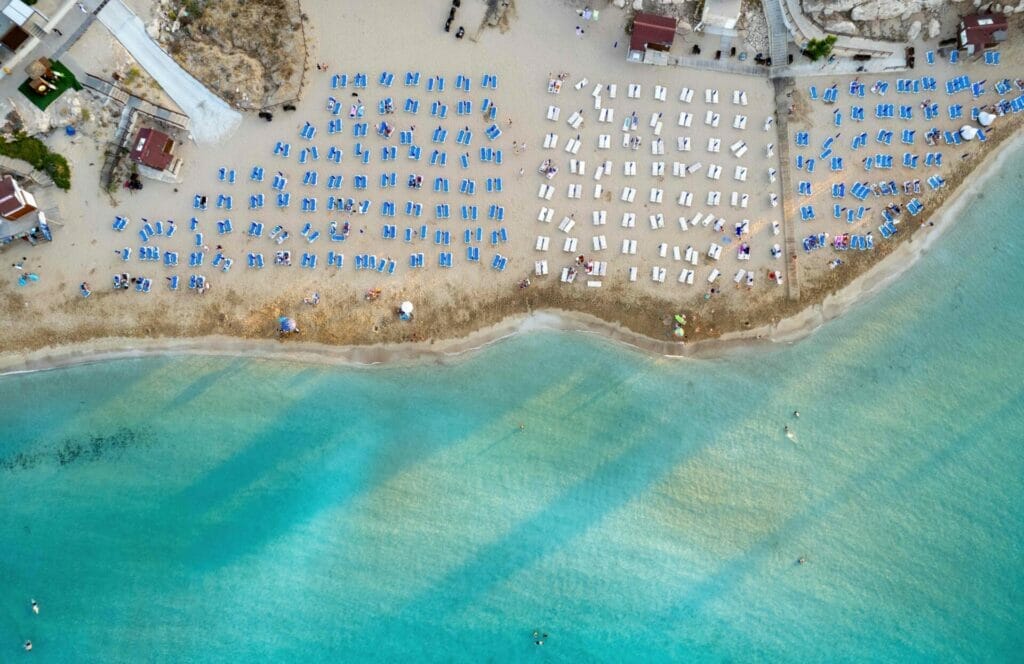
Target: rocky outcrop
<point x="884" y="19"/>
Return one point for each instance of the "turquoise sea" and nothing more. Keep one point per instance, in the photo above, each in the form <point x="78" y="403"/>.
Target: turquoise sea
<point x="198" y="509"/>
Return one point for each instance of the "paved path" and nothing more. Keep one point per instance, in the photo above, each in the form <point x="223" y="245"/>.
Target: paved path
<point x="789" y="201"/>
<point x="778" y="33"/>
<point x="212" y="119"/>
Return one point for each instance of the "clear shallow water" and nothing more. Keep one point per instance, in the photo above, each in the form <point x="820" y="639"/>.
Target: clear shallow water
<point x="202" y="509"/>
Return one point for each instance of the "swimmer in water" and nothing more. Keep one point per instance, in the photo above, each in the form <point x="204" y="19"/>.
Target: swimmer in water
<point x="28" y="646"/>
<point x="801" y="560"/>
<point x="796" y="414"/>
<point x="35" y="607"/>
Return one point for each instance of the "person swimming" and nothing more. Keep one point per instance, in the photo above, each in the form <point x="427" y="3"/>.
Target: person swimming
<point x="796" y="414"/>
<point x="28" y="646"/>
<point x="801" y="560"/>
<point x="35" y="607"/>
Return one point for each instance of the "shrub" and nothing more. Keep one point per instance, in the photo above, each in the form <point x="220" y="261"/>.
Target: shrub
<point x="817" y="49"/>
<point x="35" y="152"/>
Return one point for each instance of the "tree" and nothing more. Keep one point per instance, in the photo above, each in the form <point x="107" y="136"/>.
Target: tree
<point x="817" y="49"/>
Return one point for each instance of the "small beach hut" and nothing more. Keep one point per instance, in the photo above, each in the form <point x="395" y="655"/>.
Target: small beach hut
<point x="651" y="39"/>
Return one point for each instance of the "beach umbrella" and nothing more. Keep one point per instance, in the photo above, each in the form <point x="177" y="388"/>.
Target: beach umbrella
<point x="681" y="319"/>
<point x="679" y="332"/>
<point x="986" y="119"/>
<point x="406" y="307"/>
<point x="968" y="132"/>
<point x="287" y="324"/>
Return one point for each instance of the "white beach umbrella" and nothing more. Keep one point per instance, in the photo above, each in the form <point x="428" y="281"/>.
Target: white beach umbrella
<point x="406" y="307"/>
<point x="968" y="132"/>
<point x="986" y="119"/>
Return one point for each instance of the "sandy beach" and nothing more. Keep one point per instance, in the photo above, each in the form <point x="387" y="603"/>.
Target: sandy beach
<point x="471" y="304"/>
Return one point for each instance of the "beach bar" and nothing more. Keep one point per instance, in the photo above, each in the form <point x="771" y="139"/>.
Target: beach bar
<point x="651" y="39"/>
<point x="19" y="215"/>
<point x="981" y="31"/>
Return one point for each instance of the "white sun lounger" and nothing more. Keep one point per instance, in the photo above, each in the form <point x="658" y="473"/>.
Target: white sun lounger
<point x="599" y="172"/>
<point x="575" y="120"/>
<point x="742" y="151"/>
<point x="540" y="268"/>
<point x="628" y="219"/>
<point x="604" y="142"/>
<point x="714" y="251"/>
<point x="577" y="166"/>
<point x="697" y="219"/>
<point x="714" y="197"/>
<point x="566" y="224"/>
<point x="663" y="250"/>
<point x="660" y="92"/>
<point x="654" y="120"/>
<point x="633" y="91"/>
<point x="740" y="173"/>
<point x="686" y="199"/>
<point x="657" y="221"/>
<point x="600" y="217"/>
<point x="543" y="242"/>
<point x="633" y="273"/>
<point x="553" y="113"/>
<point x="768" y="123"/>
<point x="714" y="144"/>
<point x="676" y="255"/>
<point x="582" y="83"/>
<point x="570" y="245"/>
<point x="597" y="103"/>
<point x="693" y="168"/>
<point x="599" y="268"/>
<point x="657" y="195"/>
<point x="686" y="276"/>
<point x="657" y="147"/>
<point x="598" y="190"/>
<point x="657" y="168"/>
<point x="685" y="119"/>
<point x="546" y="191"/>
<point x="678" y="169"/>
<point x="575" y="191"/>
<point x="596" y="92"/>
<point x="740" y="273"/>
<point x="628" y="194"/>
<point x="713" y="276"/>
<point x="550" y="141"/>
<point x="545" y="215"/>
<point x="629" y="168"/>
<point x="568" y="276"/>
<point x="714" y="171"/>
<point x="686" y="95"/>
<point x="606" y="115"/>
<point x="710" y="96"/>
<point x="658" y="274"/>
<point x="612" y="90"/>
<point x="712" y="119"/>
<point x="593" y="283"/>
<point x="739" y="122"/>
<point x="657" y="129"/>
<point x="599" y="242"/>
<point x="629" y="247"/>
<point x="572" y="146"/>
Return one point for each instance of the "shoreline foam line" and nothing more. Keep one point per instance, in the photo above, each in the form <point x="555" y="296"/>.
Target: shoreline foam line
<point x="788" y="330"/>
